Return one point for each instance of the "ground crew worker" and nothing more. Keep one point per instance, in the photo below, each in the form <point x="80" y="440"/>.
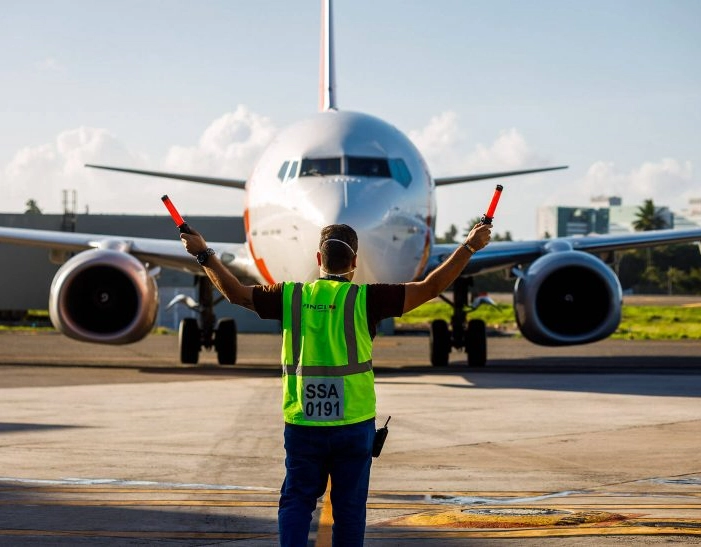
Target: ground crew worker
<point x="328" y="384"/>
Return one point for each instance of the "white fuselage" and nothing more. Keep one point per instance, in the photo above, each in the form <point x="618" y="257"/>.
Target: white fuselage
<point x="340" y="168"/>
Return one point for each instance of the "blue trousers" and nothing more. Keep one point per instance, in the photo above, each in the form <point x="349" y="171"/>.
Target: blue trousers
<point x="313" y="453"/>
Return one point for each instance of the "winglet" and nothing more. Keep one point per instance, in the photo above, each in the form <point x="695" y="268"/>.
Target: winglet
<point x="327" y="75"/>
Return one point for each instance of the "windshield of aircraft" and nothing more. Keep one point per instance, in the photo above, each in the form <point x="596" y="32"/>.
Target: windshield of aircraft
<point x="319" y="167"/>
<point x="356" y="166"/>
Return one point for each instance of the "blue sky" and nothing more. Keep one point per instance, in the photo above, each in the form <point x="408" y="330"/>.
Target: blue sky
<point x="610" y="88"/>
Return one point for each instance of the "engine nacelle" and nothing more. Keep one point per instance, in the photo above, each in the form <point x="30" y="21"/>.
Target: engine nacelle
<point x="566" y="298"/>
<point x="104" y="296"/>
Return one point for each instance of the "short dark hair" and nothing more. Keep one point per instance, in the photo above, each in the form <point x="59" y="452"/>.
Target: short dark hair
<point x="336" y="255"/>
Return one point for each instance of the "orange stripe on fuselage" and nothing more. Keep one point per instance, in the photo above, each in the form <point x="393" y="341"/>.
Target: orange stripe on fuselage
<point x="263" y="269"/>
<point x="259" y="262"/>
<point x="426" y="253"/>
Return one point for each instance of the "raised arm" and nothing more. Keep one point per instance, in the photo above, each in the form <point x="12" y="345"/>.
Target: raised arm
<point x="438" y="280"/>
<point x="225" y="281"/>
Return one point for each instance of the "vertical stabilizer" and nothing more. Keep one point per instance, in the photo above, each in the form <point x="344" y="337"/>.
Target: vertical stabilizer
<point x="327" y="75"/>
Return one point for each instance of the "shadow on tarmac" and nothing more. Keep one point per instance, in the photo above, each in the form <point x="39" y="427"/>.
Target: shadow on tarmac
<point x="49" y="517"/>
<point x="655" y="376"/>
<point x="8" y="427"/>
<point x="663" y="376"/>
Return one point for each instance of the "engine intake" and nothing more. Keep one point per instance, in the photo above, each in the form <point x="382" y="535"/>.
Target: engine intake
<point x="567" y="298"/>
<point x="104" y="296"/>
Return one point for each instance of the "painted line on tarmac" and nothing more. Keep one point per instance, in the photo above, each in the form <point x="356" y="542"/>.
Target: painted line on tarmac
<point x="128" y="484"/>
<point x="645" y="530"/>
<point x="137" y="534"/>
<point x="324" y="532"/>
<point x="145" y="503"/>
<point x="414" y="515"/>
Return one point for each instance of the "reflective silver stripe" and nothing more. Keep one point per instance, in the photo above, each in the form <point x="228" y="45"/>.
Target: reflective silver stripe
<point x="296" y="323"/>
<point x="328" y="371"/>
<point x="349" y="326"/>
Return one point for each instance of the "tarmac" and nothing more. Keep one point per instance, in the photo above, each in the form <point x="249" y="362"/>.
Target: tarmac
<point x="580" y="446"/>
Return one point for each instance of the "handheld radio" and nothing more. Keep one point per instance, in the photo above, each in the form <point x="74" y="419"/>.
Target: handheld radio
<point x="380" y="436"/>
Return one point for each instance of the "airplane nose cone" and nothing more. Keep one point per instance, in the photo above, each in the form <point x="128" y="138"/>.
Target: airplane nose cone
<point x="392" y="241"/>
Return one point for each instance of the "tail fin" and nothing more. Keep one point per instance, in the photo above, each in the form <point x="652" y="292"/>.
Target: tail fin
<point x="327" y="75"/>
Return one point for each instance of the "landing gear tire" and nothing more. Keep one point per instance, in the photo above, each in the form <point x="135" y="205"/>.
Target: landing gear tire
<point x="476" y="343"/>
<point x="439" y="343"/>
<point x="189" y="341"/>
<point x="225" y="341"/>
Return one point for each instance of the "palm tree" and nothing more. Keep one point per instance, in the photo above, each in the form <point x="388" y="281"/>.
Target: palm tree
<point x="649" y="218"/>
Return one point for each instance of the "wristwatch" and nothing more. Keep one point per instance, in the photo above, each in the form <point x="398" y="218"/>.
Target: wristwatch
<point x="204" y="256"/>
<point x="469" y="247"/>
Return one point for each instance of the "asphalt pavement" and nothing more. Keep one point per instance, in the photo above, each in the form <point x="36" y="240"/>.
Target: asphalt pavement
<point x="120" y="446"/>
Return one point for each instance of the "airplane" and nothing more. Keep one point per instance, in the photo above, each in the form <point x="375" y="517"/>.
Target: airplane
<point x="336" y="167"/>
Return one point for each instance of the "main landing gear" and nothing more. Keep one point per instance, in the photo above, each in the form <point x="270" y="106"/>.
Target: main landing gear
<point x="470" y="335"/>
<point x="195" y="334"/>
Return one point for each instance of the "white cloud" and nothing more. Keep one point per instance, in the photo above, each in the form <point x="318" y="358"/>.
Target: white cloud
<point x="668" y="182"/>
<point x="43" y="171"/>
<point x="229" y="147"/>
<point x="440" y="141"/>
<point x="447" y="151"/>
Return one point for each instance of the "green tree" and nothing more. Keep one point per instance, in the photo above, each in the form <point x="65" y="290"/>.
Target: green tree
<point x="675" y="277"/>
<point x="651" y="282"/>
<point x="32" y="208"/>
<point x="495" y="236"/>
<point x="648" y="218"/>
<point x="469" y="225"/>
<point x="449" y="236"/>
<point x="505" y="237"/>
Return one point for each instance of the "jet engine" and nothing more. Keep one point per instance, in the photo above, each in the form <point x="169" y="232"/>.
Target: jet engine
<point x="104" y="296"/>
<point x="567" y="297"/>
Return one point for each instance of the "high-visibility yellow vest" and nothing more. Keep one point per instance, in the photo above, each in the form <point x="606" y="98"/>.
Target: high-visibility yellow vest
<point x="326" y="354"/>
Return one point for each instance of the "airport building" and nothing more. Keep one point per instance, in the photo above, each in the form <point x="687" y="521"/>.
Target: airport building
<point x="25" y="284"/>
<point x="690" y="217"/>
<point x="558" y="221"/>
<point x="608" y="215"/>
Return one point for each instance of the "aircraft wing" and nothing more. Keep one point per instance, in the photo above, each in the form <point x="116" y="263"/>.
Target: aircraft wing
<point x="442" y="181"/>
<point x="216" y="181"/>
<point x="156" y="252"/>
<point x="505" y="254"/>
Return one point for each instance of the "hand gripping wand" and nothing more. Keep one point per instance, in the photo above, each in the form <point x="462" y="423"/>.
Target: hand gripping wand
<point x="489" y="215"/>
<point x="179" y="222"/>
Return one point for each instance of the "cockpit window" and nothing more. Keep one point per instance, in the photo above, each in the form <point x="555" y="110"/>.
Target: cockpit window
<point x="356" y="166"/>
<point x="400" y="172"/>
<point x="283" y="170"/>
<point x="320" y="167"/>
<point x="368" y="167"/>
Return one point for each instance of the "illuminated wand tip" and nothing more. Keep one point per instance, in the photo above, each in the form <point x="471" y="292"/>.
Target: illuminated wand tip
<point x="489" y="215"/>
